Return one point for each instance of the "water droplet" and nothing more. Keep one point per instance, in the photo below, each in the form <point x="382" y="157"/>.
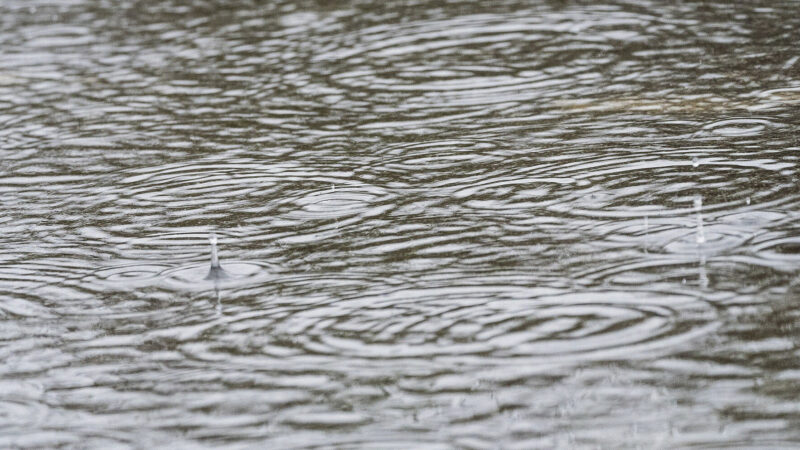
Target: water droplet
<point x="695" y="162"/>
<point x="747" y="200"/>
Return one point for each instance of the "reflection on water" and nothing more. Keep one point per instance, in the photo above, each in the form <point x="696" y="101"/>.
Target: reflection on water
<point x="471" y="224"/>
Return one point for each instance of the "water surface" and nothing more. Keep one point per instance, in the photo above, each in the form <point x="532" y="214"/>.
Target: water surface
<point x="449" y="224"/>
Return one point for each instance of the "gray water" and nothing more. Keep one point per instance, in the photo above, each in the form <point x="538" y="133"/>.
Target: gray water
<point x="446" y="224"/>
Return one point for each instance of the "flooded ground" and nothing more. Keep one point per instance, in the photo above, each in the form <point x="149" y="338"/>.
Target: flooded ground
<point x="442" y="224"/>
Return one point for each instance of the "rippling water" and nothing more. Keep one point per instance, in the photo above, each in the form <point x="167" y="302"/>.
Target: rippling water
<point x="447" y="224"/>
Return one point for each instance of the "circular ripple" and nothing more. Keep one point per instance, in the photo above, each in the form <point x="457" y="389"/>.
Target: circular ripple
<point x="188" y="277"/>
<point x="626" y="186"/>
<point x="467" y="321"/>
<point x="242" y="192"/>
<point x="739" y="127"/>
<point x="170" y="250"/>
<point x="193" y="277"/>
<point x="130" y="275"/>
<point x="335" y="202"/>
<point x="434" y="71"/>
<point x="480" y="175"/>
<point x="715" y="238"/>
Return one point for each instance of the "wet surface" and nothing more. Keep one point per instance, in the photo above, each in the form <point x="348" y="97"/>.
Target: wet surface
<point x="471" y="225"/>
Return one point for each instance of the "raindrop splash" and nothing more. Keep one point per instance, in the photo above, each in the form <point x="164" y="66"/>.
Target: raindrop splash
<point x="215" y="272"/>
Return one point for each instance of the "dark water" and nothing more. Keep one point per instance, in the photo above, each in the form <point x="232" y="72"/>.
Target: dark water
<point x="446" y="224"/>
